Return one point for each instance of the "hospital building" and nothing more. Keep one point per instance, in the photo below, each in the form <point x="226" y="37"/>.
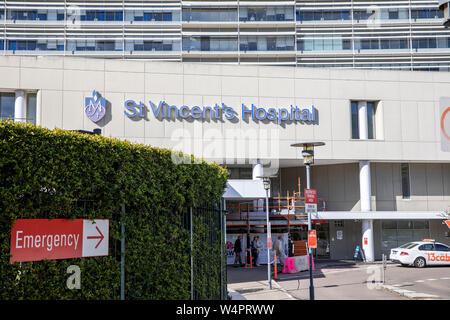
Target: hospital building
<point x="239" y="82"/>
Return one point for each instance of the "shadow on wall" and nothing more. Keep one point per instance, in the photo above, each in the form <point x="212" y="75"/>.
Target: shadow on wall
<point x="338" y="184"/>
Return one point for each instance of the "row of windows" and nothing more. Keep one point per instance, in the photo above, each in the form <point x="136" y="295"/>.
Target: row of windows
<point x="246" y="43"/>
<point x="269" y="44"/>
<point x="226" y="44"/>
<point x="92" y="45"/>
<point x="382" y="14"/>
<point x="245" y="14"/>
<point x="203" y="14"/>
<point x="336" y="44"/>
<point x="88" y="15"/>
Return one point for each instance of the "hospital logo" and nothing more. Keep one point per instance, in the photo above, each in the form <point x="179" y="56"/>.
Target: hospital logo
<point x="95" y="107"/>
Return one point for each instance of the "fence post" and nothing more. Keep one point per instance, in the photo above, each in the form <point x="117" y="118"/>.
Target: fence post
<point x="122" y="256"/>
<point x="223" y="267"/>
<point x="192" y="253"/>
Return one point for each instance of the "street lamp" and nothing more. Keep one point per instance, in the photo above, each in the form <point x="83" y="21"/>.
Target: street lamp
<point x="308" y="160"/>
<point x="266" y="182"/>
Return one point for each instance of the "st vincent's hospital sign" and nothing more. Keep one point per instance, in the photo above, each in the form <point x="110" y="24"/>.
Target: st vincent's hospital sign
<point x="163" y="110"/>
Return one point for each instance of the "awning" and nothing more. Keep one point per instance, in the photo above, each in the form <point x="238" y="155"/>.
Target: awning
<point x="379" y="215"/>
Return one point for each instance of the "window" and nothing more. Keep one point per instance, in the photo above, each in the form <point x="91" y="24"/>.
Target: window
<point x="406" y="192"/>
<point x="371" y="116"/>
<point x="441" y="247"/>
<point x="409" y="245"/>
<point x="393" y="14"/>
<point x="371" y="120"/>
<point x="403" y="233"/>
<point x="427" y="247"/>
<point x="339" y="223"/>
<point x="355" y="121"/>
<point x="7" y="101"/>
<point x="31" y="108"/>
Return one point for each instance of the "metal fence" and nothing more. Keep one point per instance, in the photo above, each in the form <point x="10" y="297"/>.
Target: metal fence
<point x="212" y="218"/>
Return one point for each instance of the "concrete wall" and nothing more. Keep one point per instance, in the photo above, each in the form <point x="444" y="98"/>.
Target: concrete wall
<point x="409" y="104"/>
<point x="345" y="248"/>
<point x="339" y="185"/>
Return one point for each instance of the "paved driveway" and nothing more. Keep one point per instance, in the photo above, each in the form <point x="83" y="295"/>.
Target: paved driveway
<point x="431" y="280"/>
<point x="348" y="280"/>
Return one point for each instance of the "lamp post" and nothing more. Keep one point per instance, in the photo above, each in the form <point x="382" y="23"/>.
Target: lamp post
<point x="308" y="160"/>
<point x="266" y="182"/>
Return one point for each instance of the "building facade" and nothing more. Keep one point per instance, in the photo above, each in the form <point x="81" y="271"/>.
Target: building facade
<point x="382" y="177"/>
<point x="347" y="34"/>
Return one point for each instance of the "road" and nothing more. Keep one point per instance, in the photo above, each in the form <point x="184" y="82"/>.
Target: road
<point x="430" y="280"/>
<point x="362" y="282"/>
<point x="344" y="280"/>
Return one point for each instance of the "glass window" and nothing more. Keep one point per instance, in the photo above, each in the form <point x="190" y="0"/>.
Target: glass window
<point x="31" y="108"/>
<point x="7" y="101"/>
<point x="405" y="181"/>
<point x="371" y="120"/>
<point x="409" y="245"/>
<point x="441" y="247"/>
<point x="355" y="122"/>
<point x="404" y="235"/>
<point x="421" y="224"/>
<point x="393" y="14"/>
<point x="404" y="224"/>
<point x="389" y="224"/>
<point x="427" y="247"/>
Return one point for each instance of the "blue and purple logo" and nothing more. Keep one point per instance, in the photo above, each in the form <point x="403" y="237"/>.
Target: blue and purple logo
<point x="95" y="107"/>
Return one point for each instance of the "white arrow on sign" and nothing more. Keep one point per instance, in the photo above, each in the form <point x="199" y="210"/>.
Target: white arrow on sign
<point x="95" y="238"/>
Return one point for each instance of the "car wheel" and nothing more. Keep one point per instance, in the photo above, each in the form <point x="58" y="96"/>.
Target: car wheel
<point x="420" y="262"/>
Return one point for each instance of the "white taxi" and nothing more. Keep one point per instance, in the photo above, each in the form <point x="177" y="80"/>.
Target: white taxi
<point x="421" y="253"/>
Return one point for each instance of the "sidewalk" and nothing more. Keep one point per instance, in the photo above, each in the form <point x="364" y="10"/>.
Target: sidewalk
<point x="251" y="284"/>
<point x="258" y="290"/>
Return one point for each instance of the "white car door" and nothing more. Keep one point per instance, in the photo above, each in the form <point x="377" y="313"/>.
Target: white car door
<point x="426" y="250"/>
<point x="442" y="253"/>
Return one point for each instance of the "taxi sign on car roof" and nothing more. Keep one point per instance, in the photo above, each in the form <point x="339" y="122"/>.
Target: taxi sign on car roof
<point x="432" y="240"/>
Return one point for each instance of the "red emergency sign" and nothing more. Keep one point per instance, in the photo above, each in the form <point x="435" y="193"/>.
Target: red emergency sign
<point x="40" y="239"/>
<point x="447" y="222"/>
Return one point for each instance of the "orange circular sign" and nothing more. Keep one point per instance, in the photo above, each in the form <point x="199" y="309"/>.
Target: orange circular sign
<point x="444" y="114"/>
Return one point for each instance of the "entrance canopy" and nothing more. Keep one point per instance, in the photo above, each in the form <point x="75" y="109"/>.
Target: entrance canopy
<point x="378" y="215"/>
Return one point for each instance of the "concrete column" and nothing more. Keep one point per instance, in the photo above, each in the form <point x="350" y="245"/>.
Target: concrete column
<point x="257" y="170"/>
<point x="20" y="112"/>
<point x="362" y="120"/>
<point x="366" y="205"/>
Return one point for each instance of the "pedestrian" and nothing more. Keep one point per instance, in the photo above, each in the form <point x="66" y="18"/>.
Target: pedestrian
<point x="278" y="247"/>
<point x="238" y="251"/>
<point x="255" y="251"/>
<point x="258" y="249"/>
<point x="290" y="246"/>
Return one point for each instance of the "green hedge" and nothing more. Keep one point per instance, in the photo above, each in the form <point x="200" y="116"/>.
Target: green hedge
<point x="61" y="174"/>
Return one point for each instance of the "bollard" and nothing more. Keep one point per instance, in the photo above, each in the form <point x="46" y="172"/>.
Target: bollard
<point x="247" y="266"/>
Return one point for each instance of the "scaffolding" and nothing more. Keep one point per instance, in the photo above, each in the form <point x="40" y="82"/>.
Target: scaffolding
<point x="283" y="211"/>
